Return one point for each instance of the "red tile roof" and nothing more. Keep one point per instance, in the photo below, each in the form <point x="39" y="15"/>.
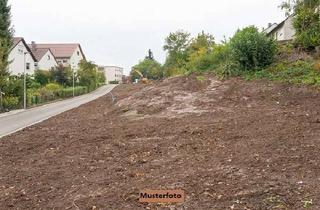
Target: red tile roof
<point x="15" y="41"/>
<point x="39" y="52"/>
<point x="61" y="50"/>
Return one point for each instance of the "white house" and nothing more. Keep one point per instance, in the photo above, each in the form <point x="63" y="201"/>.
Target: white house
<point x="44" y="56"/>
<point x="282" y="32"/>
<point x="21" y="57"/>
<point x="270" y="27"/>
<point x="65" y="54"/>
<point x="113" y="73"/>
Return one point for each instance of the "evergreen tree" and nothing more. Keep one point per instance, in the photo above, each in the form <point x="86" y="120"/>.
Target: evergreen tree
<point x="6" y="33"/>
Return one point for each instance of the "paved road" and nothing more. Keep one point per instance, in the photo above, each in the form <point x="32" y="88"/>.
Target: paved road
<point x="10" y="123"/>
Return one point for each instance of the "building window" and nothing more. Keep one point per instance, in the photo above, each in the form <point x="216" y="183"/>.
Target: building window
<point x="78" y="53"/>
<point x="64" y="61"/>
<point x="48" y="57"/>
<point x="20" y="49"/>
<point x="36" y="64"/>
<point x="28" y="66"/>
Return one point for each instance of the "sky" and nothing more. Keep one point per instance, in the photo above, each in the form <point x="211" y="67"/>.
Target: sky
<point x="120" y="32"/>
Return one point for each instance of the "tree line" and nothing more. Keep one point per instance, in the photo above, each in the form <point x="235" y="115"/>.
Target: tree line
<point x="249" y="50"/>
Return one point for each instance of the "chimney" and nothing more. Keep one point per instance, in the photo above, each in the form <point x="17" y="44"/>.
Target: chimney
<point x="269" y="25"/>
<point x="33" y="46"/>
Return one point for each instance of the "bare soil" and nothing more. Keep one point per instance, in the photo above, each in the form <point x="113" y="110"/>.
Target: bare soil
<point x="229" y="144"/>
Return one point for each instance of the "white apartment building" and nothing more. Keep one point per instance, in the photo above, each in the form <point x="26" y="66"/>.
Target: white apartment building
<point x="113" y="73"/>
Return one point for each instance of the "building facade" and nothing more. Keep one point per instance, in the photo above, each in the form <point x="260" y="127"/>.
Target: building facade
<point x="113" y="74"/>
<point x="284" y="31"/>
<point x="65" y="54"/>
<point x="47" y="61"/>
<point x="44" y="57"/>
<point x="21" y="58"/>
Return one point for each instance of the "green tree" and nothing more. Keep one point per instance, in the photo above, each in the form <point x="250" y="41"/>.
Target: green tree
<point x="252" y="49"/>
<point x="88" y="74"/>
<point x="101" y="77"/>
<point x="199" y="51"/>
<point x="62" y="75"/>
<point x="202" y="41"/>
<point x="150" y="69"/>
<point x="176" y="45"/>
<point x="306" y="21"/>
<point x="307" y="24"/>
<point x="43" y="77"/>
<point x="6" y="33"/>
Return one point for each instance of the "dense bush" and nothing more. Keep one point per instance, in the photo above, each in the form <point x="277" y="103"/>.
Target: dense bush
<point x="214" y="60"/>
<point x="62" y="75"/>
<point x="299" y="72"/>
<point x="149" y="68"/>
<point x="14" y="86"/>
<point x="53" y="87"/>
<point x="176" y="45"/>
<point x="114" y="82"/>
<point x="252" y="49"/>
<point x="89" y="75"/>
<point x="10" y="102"/>
<point x="307" y="25"/>
<point x="42" y="77"/>
<point x="48" y="93"/>
<point x="53" y="92"/>
<point x="101" y="78"/>
<point x="68" y="92"/>
<point x="249" y="49"/>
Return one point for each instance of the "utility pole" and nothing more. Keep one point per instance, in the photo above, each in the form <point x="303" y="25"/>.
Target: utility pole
<point x="1" y="103"/>
<point x="25" y="83"/>
<point x="72" y="79"/>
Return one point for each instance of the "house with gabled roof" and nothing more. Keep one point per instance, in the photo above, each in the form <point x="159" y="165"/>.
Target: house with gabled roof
<point x="44" y="57"/>
<point x="65" y="54"/>
<point x="284" y="31"/>
<point x="21" y="57"/>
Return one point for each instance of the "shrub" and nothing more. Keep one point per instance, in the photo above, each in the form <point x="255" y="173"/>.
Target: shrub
<point x="228" y="68"/>
<point x="149" y="68"/>
<point x="300" y="72"/>
<point x="88" y="75"/>
<point x="62" y="75"/>
<point x="50" y="92"/>
<point x="252" y="49"/>
<point x="42" y="77"/>
<point x="53" y="87"/>
<point x="307" y="23"/>
<point x="10" y="102"/>
<point x="114" y="82"/>
<point x="68" y="92"/>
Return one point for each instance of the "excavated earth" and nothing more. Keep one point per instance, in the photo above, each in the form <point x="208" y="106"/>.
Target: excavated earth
<point x="230" y="144"/>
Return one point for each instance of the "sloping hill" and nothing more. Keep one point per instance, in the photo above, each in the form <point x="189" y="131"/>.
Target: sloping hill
<point x="229" y="144"/>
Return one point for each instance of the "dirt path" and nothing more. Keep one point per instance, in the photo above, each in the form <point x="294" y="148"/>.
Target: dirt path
<point x="229" y="145"/>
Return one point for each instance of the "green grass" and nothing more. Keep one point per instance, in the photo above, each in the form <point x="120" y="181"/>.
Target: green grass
<point x="201" y="78"/>
<point x="300" y="72"/>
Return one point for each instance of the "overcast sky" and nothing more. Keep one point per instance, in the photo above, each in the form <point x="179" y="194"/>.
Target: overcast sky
<point x="120" y="32"/>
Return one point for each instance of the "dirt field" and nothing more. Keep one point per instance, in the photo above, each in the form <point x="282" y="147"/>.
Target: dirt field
<point x="228" y="144"/>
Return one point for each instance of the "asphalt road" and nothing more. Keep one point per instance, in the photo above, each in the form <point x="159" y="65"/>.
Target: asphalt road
<point x="11" y="123"/>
